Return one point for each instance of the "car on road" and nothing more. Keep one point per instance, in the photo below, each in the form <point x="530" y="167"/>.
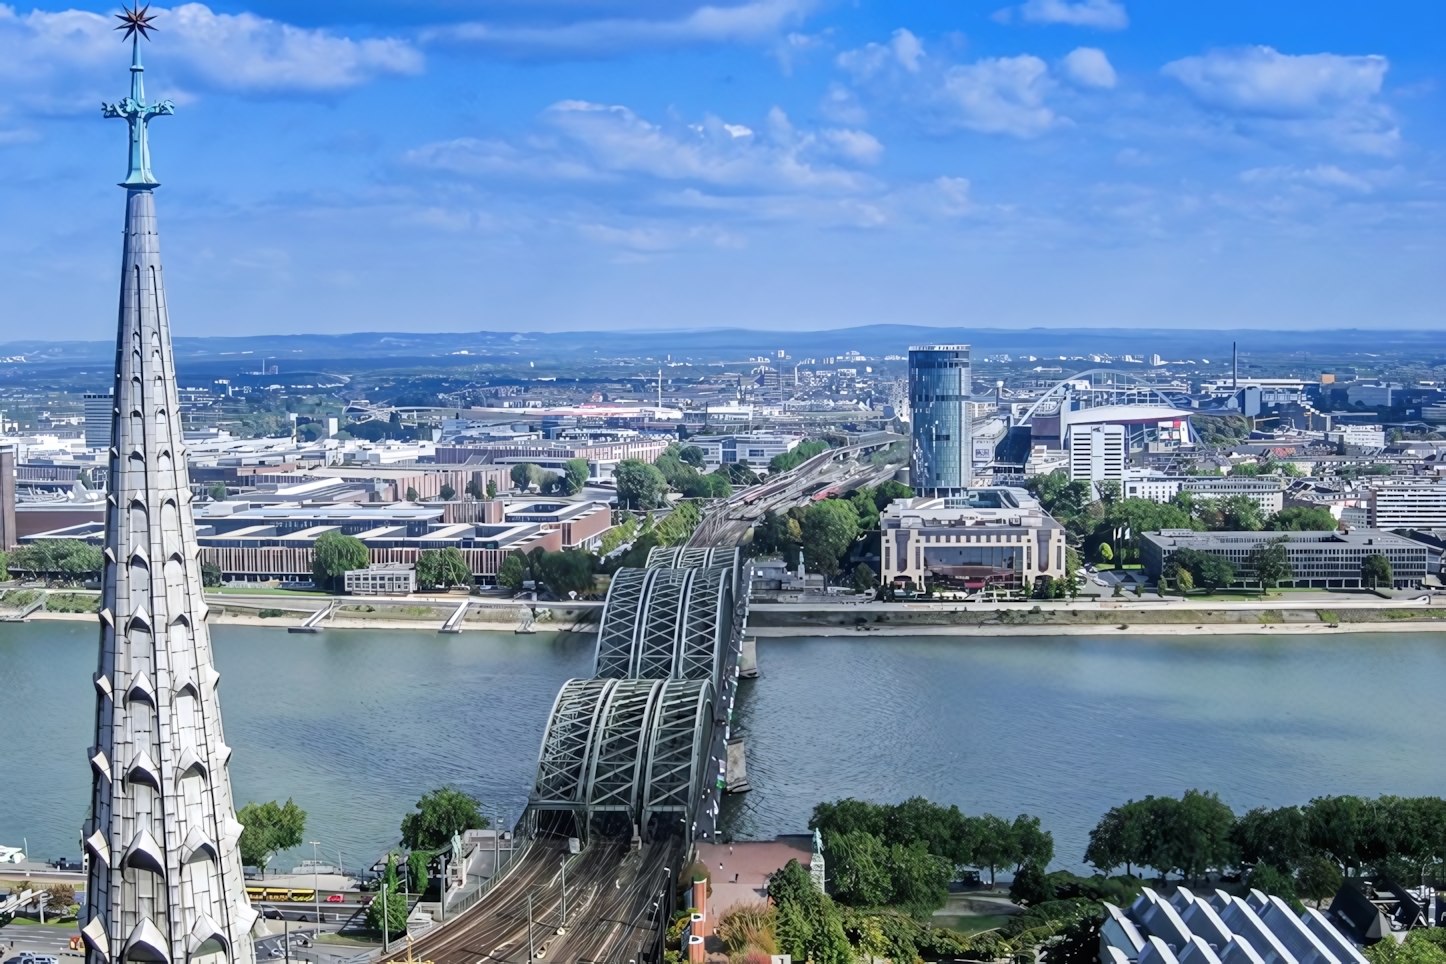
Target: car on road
<point x="334" y="898"/>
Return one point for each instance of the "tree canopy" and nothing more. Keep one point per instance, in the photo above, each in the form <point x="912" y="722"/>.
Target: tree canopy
<point x="829" y="529"/>
<point x="441" y="568"/>
<point x="269" y="828"/>
<point x="333" y="555"/>
<point x="440" y="815"/>
<point x="57" y="557"/>
<point x="1376" y="571"/>
<point x="640" y="485"/>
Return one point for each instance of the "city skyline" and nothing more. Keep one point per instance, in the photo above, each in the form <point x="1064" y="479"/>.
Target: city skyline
<point x="773" y="164"/>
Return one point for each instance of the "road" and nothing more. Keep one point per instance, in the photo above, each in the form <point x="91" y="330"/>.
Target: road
<point x="612" y="908"/>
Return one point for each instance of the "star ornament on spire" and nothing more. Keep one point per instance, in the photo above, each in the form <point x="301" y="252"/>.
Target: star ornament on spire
<point x="136" y="20"/>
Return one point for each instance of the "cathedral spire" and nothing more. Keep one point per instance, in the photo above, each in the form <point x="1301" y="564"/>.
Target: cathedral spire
<point x="165" y="882"/>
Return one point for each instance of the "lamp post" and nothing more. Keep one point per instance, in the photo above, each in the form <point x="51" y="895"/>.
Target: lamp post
<point x="316" y="881"/>
<point x="386" y="938"/>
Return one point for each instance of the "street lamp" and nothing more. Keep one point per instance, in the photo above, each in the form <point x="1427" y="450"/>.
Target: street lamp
<point x="315" y="881"/>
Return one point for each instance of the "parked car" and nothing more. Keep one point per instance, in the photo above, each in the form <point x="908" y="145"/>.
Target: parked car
<point x="334" y="898"/>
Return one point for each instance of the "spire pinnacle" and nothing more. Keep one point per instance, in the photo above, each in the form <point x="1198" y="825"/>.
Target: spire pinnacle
<point x="136" y="22"/>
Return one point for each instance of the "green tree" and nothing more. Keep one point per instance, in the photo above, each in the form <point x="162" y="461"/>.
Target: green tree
<point x="389" y="900"/>
<point x="1299" y="518"/>
<point x="864" y="578"/>
<point x="491" y="488"/>
<point x="1376" y="571"/>
<point x="693" y="455"/>
<point x="1030" y="844"/>
<point x="66" y="558"/>
<point x="1031" y="886"/>
<point x="269" y="828"/>
<point x="1105" y="553"/>
<point x="1317" y="878"/>
<point x="640" y="485"/>
<point x="993" y="845"/>
<point x="1280" y="836"/>
<point x="1184" y="581"/>
<point x="417" y="876"/>
<point x="1417" y="948"/>
<point x="809" y="925"/>
<point x="1197" y="838"/>
<point x="858" y="863"/>
<point x="512" y="572"/>
<point x="335" y="554"/>
<point x="441" y="568"/>
<point x="868" y="511"/>
<point x="1060" y="497"/>
<point x="792" y="459"/>
<point x="570" y="570"/>
<point x="440" y="815"/>
<point x="575" y="475"/>
<point x="472" y="489"/>
<point x="447" y="492"/>
<point x="1270" y="879"/>
<point x="210" y="574"/>
<point x="1271" y="562"/>
<point x="887" y="492"/>
<point x="1119" y="838"/>
<point x="218" y="492"/>
<point x="920" y="879"/>
<point x="412" y="495"/>
<point x="829" y="530"/>
<point x="521" y="475"/>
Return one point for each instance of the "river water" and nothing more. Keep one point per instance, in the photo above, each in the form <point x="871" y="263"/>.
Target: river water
<point x="354" y="725"/>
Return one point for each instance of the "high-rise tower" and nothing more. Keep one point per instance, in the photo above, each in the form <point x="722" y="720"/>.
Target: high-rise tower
<point x="165" y="874"/>
<point x="942" y="462"/>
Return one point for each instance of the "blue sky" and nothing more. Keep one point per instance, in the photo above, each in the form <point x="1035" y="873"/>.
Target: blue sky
<point x="592" y="164"/>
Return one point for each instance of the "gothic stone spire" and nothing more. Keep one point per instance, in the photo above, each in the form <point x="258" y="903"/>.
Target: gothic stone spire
<point x="165" y="874"/>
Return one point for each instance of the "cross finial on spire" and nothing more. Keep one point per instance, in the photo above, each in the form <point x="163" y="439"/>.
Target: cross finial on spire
<point x="136" y="22"/>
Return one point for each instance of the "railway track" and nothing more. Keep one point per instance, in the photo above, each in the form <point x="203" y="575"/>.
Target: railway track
<point x="615" y="904"/>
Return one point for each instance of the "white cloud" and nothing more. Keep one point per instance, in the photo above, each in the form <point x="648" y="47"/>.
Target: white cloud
<point x="752" y="21"/>
<point x="72" y="57"/>
<point x="1000" y="95"/>
<point x="580" y="141"/>
<point x="1088" y="67"/>
<point x="1100" y="14"/>
<point x="1261" y="80"/>
<point x="1322" y="175"/>
<point x="1329" y="97"/>
<point x="997" y="95"/>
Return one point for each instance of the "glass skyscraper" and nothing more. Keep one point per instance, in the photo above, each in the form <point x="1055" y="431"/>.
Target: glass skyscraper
<point x="942" y="462"/>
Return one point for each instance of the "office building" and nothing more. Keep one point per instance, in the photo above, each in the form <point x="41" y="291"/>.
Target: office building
<point x="1097" y="454"/>
<point x="9" y="537"/>
<point x="1266" y="490"/>
<point x="385" y="579"/>
<point x="99" y="413"/>
<point x="755" y="448"/>
<point x="939" y="386"/>
<point x="1318" y="560"/>
<point x="1407" y="505"/>
<point x="1358" y="436"/>
<point x="995" y="538"/>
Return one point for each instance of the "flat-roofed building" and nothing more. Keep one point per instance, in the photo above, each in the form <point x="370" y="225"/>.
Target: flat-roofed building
<point x="1097" y="453"/>
<point x="755" y="448"/>
<point x="383" y="579"/>
<point x="1407" y="505"/>
<point x="1318" y="560"/>
<point x="99" y="412"/>
<point x="995" y="538"/>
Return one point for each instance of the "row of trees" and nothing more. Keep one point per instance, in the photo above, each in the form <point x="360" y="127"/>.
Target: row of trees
<point x="571" y="570"/>
<point x="574" y="476"/>
<point x="826" y="531"/>
<point x="1293" y="851"/>
<point x="877" y="852"/>
<point x="55" y="558"/>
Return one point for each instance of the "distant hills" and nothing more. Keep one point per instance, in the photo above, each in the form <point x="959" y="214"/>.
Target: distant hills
<point x="323" y="352"/>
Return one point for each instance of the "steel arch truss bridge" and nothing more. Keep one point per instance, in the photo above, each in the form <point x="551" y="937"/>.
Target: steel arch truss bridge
<point x="625" y="752"/>
<point x="639" y="746"/>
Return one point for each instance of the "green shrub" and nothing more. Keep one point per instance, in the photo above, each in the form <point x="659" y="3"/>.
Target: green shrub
<point x="271" y="613"/>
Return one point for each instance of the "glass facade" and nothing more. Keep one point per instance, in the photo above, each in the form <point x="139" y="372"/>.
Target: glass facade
<point x="939" y="384"/>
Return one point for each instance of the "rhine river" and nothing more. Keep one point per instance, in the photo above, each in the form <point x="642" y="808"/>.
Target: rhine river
<point x="354" y="725"/>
